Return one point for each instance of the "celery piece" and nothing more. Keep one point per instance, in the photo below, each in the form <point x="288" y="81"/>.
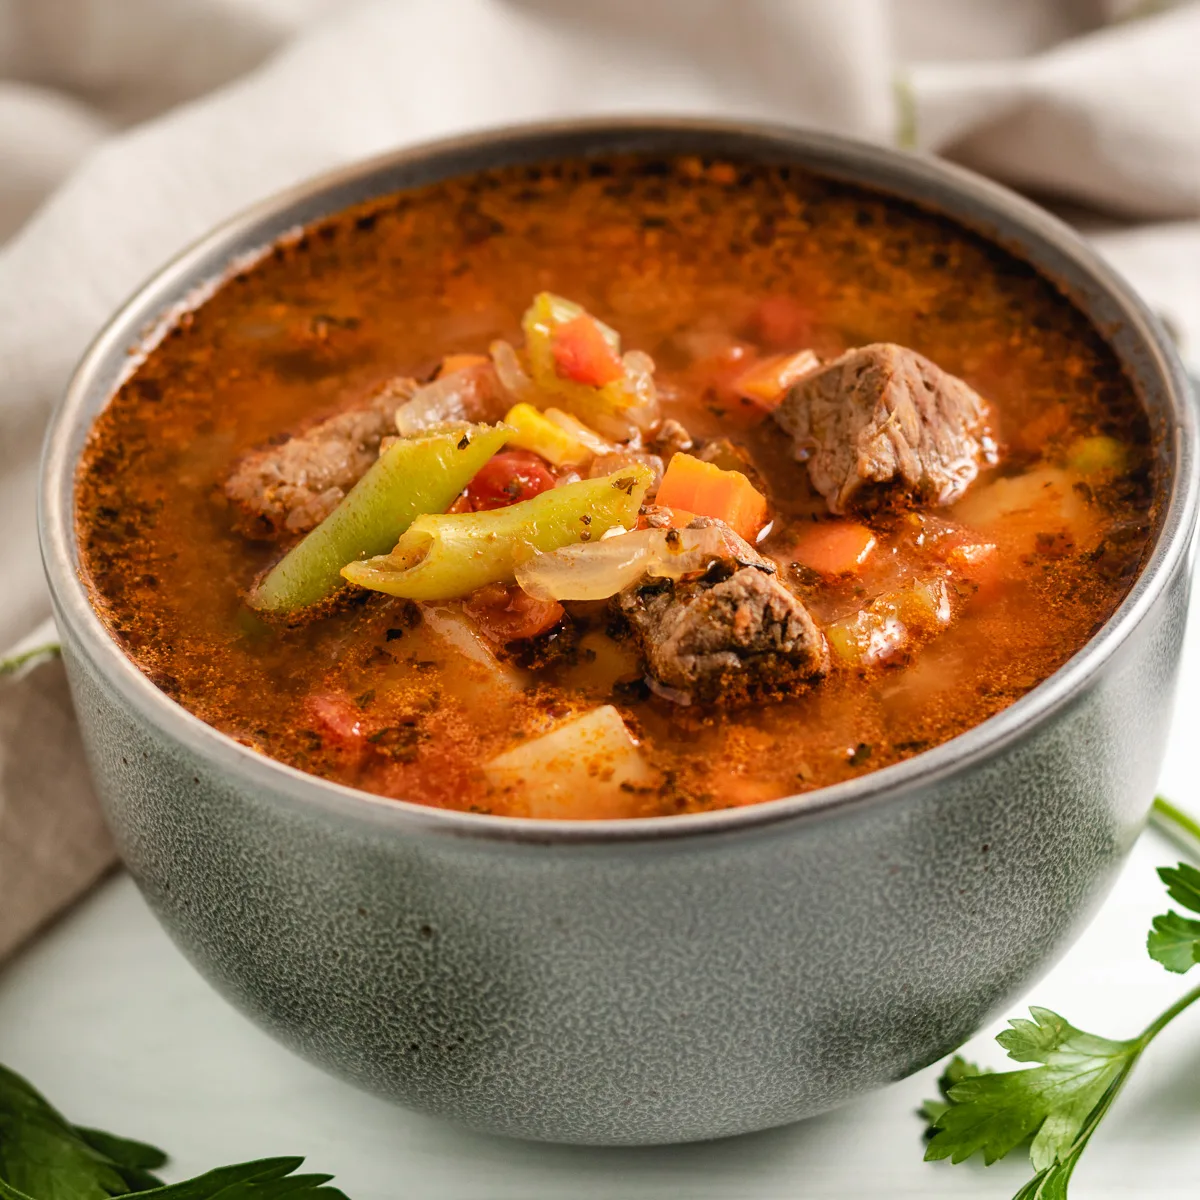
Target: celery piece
<point x="1099" y="455"/>
<point x="449" y="556"/>
<point x="618" y="409"/>
<point x="866" y="637"/>
<point x="877" y="632"/>
<point x="412" y="476"/>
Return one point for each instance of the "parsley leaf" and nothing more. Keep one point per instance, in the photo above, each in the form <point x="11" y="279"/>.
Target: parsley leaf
<point x="1174" y="940"/>
<point x="264" y="1180"/>
<point x="1183" y="884"/>
<point x="957" y="1069"/>
<point x="135" y="1160"/>
<point x="269" y="1179"/>
<point x="1051" y="1184"/>
<point x="1060" y="1103"/>
<point x="43" y="1155"/>
<point x="993" y="1114"/>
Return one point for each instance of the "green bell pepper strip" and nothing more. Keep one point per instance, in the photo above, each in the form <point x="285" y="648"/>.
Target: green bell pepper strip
<point x="412" y="476"/>
<point x="449" y="556"/>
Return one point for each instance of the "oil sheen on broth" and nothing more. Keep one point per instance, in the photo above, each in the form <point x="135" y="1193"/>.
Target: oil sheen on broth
<point x="709" y="267"/>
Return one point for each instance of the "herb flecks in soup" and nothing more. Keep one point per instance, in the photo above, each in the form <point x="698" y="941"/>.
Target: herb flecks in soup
<point x="773" y="482"/>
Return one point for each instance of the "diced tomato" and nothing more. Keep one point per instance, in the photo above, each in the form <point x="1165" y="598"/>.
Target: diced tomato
<point x="781" y="323"/>
<point x="583" y="354"/>
<point x="507" y="614"/>
<point x="462" y="504"/>
<point x="507" y="477"/>
<point x="337" y="720"/>
<point x="834" y="547"/>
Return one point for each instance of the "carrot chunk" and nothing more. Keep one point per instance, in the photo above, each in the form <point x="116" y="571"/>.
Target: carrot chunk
<point x="583" y="354"/>
<point x="700" y="487"/>
<point x="767" y="381"/>
<point x="834" y="547"/>
<point x="461" y="362"/>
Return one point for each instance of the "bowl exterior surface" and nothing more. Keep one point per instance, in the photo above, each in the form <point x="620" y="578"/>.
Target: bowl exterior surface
<point x="642" y="993"/>
<point x="640" y="989"/>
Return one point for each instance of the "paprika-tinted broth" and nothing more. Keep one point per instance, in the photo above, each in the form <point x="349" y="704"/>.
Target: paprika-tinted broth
<point x="695" y="263"/>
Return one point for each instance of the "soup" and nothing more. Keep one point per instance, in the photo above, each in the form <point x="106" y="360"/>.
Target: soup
<point x="616" y="488"/>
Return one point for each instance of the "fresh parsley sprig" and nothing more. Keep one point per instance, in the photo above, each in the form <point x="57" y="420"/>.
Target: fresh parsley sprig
<point x="44" y="1157"/>
<point x="42" y="1154"/>
<point x="1056" y="1106"/>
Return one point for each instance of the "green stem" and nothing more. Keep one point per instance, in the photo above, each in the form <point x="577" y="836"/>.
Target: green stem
<point x="1164" y="1019"/>
<point x="9" y="666"/>
<point x="1176" y="824"/>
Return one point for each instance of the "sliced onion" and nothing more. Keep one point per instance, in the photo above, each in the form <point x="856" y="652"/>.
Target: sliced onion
<point x="514" y="379"/>
<point x="597" y="570"/>
<point x="579" y="431"/>
<point x="471" y="395"/>
<point x="644" y="411"/>
<point x="628" y="407"/>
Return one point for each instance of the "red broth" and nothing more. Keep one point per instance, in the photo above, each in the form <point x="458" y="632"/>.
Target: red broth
<point x="704" y="265"/>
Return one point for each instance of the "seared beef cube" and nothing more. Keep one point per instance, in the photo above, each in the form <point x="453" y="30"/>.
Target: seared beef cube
<point x="291" y="487"/>
<point x="883" y="421"/>
<point x="733" y="642"/>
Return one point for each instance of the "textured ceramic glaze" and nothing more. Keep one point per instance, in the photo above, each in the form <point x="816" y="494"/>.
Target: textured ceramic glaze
<point x="664" y="980"/>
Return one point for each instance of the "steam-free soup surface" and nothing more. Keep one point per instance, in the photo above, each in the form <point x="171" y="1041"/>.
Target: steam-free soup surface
<point x="710" y="268"/>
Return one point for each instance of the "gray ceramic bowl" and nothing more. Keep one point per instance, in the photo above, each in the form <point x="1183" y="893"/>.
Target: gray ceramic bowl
<point x="660" y="980"/>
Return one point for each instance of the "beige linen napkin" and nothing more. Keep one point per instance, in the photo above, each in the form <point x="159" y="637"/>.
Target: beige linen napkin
<point x="128" y="127"/>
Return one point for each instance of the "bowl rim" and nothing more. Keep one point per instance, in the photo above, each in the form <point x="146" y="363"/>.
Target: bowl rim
<point x="914" y="178"/>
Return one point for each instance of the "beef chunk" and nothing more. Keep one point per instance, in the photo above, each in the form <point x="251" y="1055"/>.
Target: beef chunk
<point x="291" y="487"/>
<point x="882" y="420"/>
<point x="735" y="641"/>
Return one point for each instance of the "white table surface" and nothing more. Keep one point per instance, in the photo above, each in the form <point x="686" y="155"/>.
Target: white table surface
<point x="109" y="1020"/>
